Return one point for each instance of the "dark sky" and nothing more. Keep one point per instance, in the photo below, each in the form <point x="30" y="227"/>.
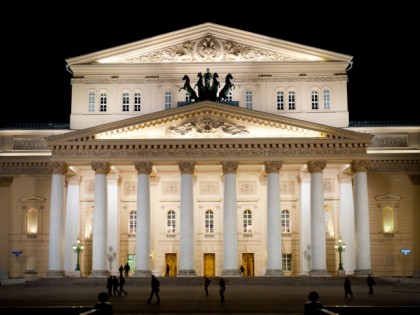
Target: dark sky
<point x="382" y="47"/>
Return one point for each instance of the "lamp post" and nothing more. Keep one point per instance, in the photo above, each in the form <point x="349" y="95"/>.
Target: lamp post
<point x="78" y="248"/>
<point x="340" y="247"/>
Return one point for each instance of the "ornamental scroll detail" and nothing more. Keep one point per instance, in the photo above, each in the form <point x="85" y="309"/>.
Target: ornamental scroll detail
<point x="206" y="128"/>
<point x="210" y="48"/>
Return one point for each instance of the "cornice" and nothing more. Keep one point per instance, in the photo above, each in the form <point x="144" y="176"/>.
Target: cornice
<point x="405" y="165"/>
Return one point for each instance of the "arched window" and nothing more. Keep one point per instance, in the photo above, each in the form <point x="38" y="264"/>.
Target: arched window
<point x="137" y="102"/>
<point x="168" y="100"/>
<point x="388" y="220"/>
<point x="292" y="100"/>
<point x="132" y="222"/>
<point x="209" y="221"/>
<point x="327" y="99"/>
<point x="314" y="99"/>
<point x="125" y="102"/>
<point x="229" y="96"/>
<point x="170" y="222"/>
<point x="285" y="221"/>
<point x="92" y="100"/>
<point x="32" y="222"/>
<point x="104" y="101"/>
<point x="247" y="220"/>
<point x="248" y="99"/>
<point x="280" y="100"/>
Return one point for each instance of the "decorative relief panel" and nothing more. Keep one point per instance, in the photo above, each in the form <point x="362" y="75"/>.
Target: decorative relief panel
<point x="130" y="188"/>
<point x="287" y="188"/>
<point x="209" y="188"/>
<point x="170" y="188"/>
<point x="329" y="185"/>
<point x="205" y="127"/>
<point x="89" y="186"/>
<point x="209" y="48"/>
<point x="389" y="141"/>
<point x="247" y="188"/>
<point x="30" y="144"/>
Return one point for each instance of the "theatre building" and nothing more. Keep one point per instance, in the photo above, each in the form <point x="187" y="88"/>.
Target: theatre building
<point x="205" y="149"/>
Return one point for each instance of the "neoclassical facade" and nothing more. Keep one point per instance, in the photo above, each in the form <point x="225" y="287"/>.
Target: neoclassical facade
<point x="270" y="176"/>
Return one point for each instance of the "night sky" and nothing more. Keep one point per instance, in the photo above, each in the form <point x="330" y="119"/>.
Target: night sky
<point x="383" y="49"/>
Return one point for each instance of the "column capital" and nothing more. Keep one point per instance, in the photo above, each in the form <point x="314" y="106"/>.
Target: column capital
<point x="360" y="165"/>
<point x="316" y="166"/>
<point x="101" y="167"/>
<point x="273" y="166"/>
<point x="414" y="179"/>
<point x="186" y="167"/>
<point x="6" y="181"/>
<point x="143" y="167"/>
<point x="230" y="167"/>
<point x="345" y="178"/>
<point x="73" y="179"/>
<point x="59" y="168"/>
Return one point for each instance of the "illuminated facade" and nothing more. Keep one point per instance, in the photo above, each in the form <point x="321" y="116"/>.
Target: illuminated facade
<point x="269" y="180"/>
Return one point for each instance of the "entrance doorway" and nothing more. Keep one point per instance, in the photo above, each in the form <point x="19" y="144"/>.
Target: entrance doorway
<point x="170" y="260"/>
<point x="209" y="265"/>
<point x="248" y="264"/>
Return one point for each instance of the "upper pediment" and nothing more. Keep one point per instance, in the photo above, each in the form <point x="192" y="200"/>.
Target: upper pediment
<point x="209" y="120"/>
<point x="209" y="42"/>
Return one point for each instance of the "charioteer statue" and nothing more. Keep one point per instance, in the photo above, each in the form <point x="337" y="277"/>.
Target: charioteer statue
<point x="208" y="86"/>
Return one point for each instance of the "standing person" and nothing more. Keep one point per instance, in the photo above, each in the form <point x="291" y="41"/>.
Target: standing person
<point x="222" y="286"/>
<point x="167" y="270"/>
<point x="103" y="304"/>
<point x="347" y="288"/>
<point x="370" y="283"/>
<point x="121" y="269"/>
<point x="313" y="305"/>
<point x="242" y="270"/>
<point x="155" y="289"/>
<point x="126" y="269"/>
<point x="109" y="285"/>
<point x="206" y="285"/>
<point x="122" y="282"/>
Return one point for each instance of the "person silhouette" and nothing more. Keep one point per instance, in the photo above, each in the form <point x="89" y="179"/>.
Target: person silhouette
<point x="370" y="283"/>
<point x="206" y="285"/>
<point x="222" y="289"/>
<point x="103" y="304"/>
<point x="167" y="270"/>
<point x="122" y="283"/>
<point x="347" y="288"/>
<point x="155" y="289"/>
<point x="126" y="269"/>
<point x="313" y="305"/>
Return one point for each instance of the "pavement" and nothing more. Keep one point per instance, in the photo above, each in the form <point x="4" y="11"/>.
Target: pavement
<point x="186" y="295"/>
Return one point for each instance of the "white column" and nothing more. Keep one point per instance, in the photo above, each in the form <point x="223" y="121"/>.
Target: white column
<point x="318" y="247"/>
<point x="361" y="203"/>
<point x="99" y="229"/>
<point x="186" y="261"/>
<point x="415" y="193"/>
<point x="347" y="223"/>
<point x="56" y="250"/>
<point x="5" y="183"/>
<point x="305" y="224"/>
<point x="274" y="246"/>
<point x="72" y="223"/>
<point x="230" y="218"/>
<point x="143" y="220"/>
<point x="113" y="224"/>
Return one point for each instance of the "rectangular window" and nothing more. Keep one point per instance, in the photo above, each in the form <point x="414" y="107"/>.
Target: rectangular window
<point x="327" y="102"/>
<point x="280" y="101"/>
<point x="314" y="100"/>
<point x="137" y="102"/>
<point x="103" y="102"/>
<point x="287" y="262"/>
<point x="125" y="102"/>
<point x="292" y="101"/>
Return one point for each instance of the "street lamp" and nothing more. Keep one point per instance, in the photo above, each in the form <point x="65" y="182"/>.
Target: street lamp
<point x="78" y="248"/>
<point x="340" y="247"/>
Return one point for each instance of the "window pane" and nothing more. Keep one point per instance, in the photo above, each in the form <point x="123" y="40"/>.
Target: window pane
<point x="280" y="100"/>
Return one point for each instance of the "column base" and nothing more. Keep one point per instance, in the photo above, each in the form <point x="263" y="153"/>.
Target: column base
<point x="319" y="273"/>
<point x="362" y="272"/>
<point x="231" y="272"/>
<point x="55" y="274"/>
<point x="416" y="273"/>
<point x="4" y="275"/>
<point x="186" y="273"/>
<point x="99" y="274"/>
<point x="274" y="273"/>
<point x="142" y="273"/>
<point x="341" y="273"/>
<point x="74" y="274"/>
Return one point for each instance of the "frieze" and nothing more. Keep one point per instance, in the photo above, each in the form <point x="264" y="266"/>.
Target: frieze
<point x="205" y="127"/>
<point x="209" y="48"/>
<point x="395" y="166"/>
<point x="209" y="188"/>
<point x="130" y="188"/>
<point x="287" y="187"/>
<point x="247" y="188"/>
<point x="170" y="188"/>
<point x="389" y="141"/>
<point x="30" y="144"/>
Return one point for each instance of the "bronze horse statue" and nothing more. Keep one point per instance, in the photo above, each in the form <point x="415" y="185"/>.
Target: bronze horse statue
<point x="188" y="89"/>
<point x="201" y="87"/>
<point x="214" y="88"/>
<point x="225" y="90"/>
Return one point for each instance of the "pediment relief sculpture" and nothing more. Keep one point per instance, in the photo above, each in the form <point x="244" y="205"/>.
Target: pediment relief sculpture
<point x="206" y="128"/>
<point x="210" y="48"/>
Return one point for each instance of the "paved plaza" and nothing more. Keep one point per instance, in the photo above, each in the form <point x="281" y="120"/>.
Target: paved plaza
<point x="244" y="295"/>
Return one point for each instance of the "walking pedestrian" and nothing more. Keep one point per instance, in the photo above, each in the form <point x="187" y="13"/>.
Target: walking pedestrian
<point x="242" y="270"/>
<point x="121" y="269"/>
<point x="115" y="285"/>
<point x="222" y="287"/>
<point x="126" y="269"/>
<point x="347" y="288"/>
<point x="167" y="270"/>
<point x="122" y="283"/>
<point x="109" y="285"/>
<point x="103" y="305"/>
<point x="155" y="289"/>
<point x="206" y="285"/>
<point x="370" y="283"/>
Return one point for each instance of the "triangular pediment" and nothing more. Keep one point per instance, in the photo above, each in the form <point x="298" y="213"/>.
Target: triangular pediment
<point x="210" y="120"/>
<point x="208" y="42"/>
